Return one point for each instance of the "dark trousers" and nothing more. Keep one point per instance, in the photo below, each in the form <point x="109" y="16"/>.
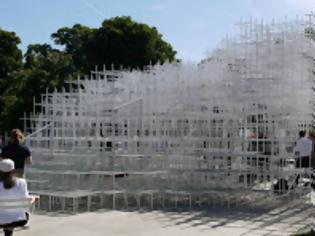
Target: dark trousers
<point x="8" y="228"/>
<point x="302" y="162"/>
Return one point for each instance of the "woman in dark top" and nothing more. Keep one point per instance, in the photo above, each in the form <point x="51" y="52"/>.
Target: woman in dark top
<point x="17" y="152"/>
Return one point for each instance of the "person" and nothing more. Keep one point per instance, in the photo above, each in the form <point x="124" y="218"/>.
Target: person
<point x="303" y="151"/>
<point x="11" y="187"/>
<point x="17" y="152"/>
<point x="312" y="138"/>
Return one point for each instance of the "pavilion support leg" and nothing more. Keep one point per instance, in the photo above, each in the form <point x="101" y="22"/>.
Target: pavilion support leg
<point x="63" y="203"/>
<point x="75" y="204"/>
<point x="101" y="200"/>
<point x="151" y="202"/>
<point x="89" y="202"/>
<point x="138" y="196"/>
<point x="49" y="202"/>
<point x="126" y="200"/>
<point x="176" y="201"/>
<point x="114" y="201"/>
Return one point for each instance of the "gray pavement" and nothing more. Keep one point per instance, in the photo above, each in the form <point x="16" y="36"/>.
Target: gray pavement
<point x="284" y="220"/>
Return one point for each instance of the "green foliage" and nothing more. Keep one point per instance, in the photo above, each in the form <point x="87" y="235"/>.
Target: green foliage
<point x="10" y="63"/>
<point x="10" y="57"/>
<point x="75" y="40"/>
<point x="119" y="41"/>
<point x="45" y="68"/>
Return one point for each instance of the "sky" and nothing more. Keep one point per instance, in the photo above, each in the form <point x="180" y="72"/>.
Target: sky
<point x="192" y="27"/>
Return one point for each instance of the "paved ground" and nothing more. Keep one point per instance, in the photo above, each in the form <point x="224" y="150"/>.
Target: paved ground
<point x="281" y="221"/>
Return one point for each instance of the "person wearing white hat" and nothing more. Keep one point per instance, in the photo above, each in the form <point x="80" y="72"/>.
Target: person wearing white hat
<point x="11" y="187"/>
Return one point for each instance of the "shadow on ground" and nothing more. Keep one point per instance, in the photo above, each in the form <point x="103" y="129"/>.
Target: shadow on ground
<point x="283" y="220"/>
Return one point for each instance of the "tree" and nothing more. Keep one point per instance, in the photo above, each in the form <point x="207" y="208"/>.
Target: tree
<point x="75" y="40"/>
<point x="10" y="61"/>
<point x="119" y="41"/>
<point x="10" y="57"/>
<point x="45" y="68"/>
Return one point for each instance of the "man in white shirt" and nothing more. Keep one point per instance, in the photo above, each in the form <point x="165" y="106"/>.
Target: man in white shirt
<point x="303" y="150"/>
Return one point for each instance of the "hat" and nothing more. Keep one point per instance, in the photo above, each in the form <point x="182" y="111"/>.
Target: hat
<point x="6" y="165"/>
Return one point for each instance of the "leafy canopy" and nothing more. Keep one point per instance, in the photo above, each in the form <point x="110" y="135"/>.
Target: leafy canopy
<point x="119" y="41"/>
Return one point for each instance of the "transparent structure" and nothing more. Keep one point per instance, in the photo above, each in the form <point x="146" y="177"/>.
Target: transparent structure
<point x="220" y="132"/>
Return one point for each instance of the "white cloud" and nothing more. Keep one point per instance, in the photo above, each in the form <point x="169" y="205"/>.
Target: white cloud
<point x="93" y="8"/>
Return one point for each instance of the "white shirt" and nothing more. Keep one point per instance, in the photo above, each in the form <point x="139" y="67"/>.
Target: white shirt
<point x="303" y="147"/>
<point x="18" y="191"/>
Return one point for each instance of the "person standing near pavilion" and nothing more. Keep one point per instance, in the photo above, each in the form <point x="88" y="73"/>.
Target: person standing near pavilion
<point x="18" y="152"/>
<point x="303" y="151"/>
<point x="312" y="138"/>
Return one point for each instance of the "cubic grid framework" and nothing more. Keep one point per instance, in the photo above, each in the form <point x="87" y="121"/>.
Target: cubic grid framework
<point x="220" y="132"/>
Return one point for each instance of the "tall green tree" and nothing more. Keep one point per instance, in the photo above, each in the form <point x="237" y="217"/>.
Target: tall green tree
<point x="10" y="56"/>
<point x="45" y="68"/>
<point x="75" y="40"/>
<point x="119" y="41"/>
<point x="10" y="60"/>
